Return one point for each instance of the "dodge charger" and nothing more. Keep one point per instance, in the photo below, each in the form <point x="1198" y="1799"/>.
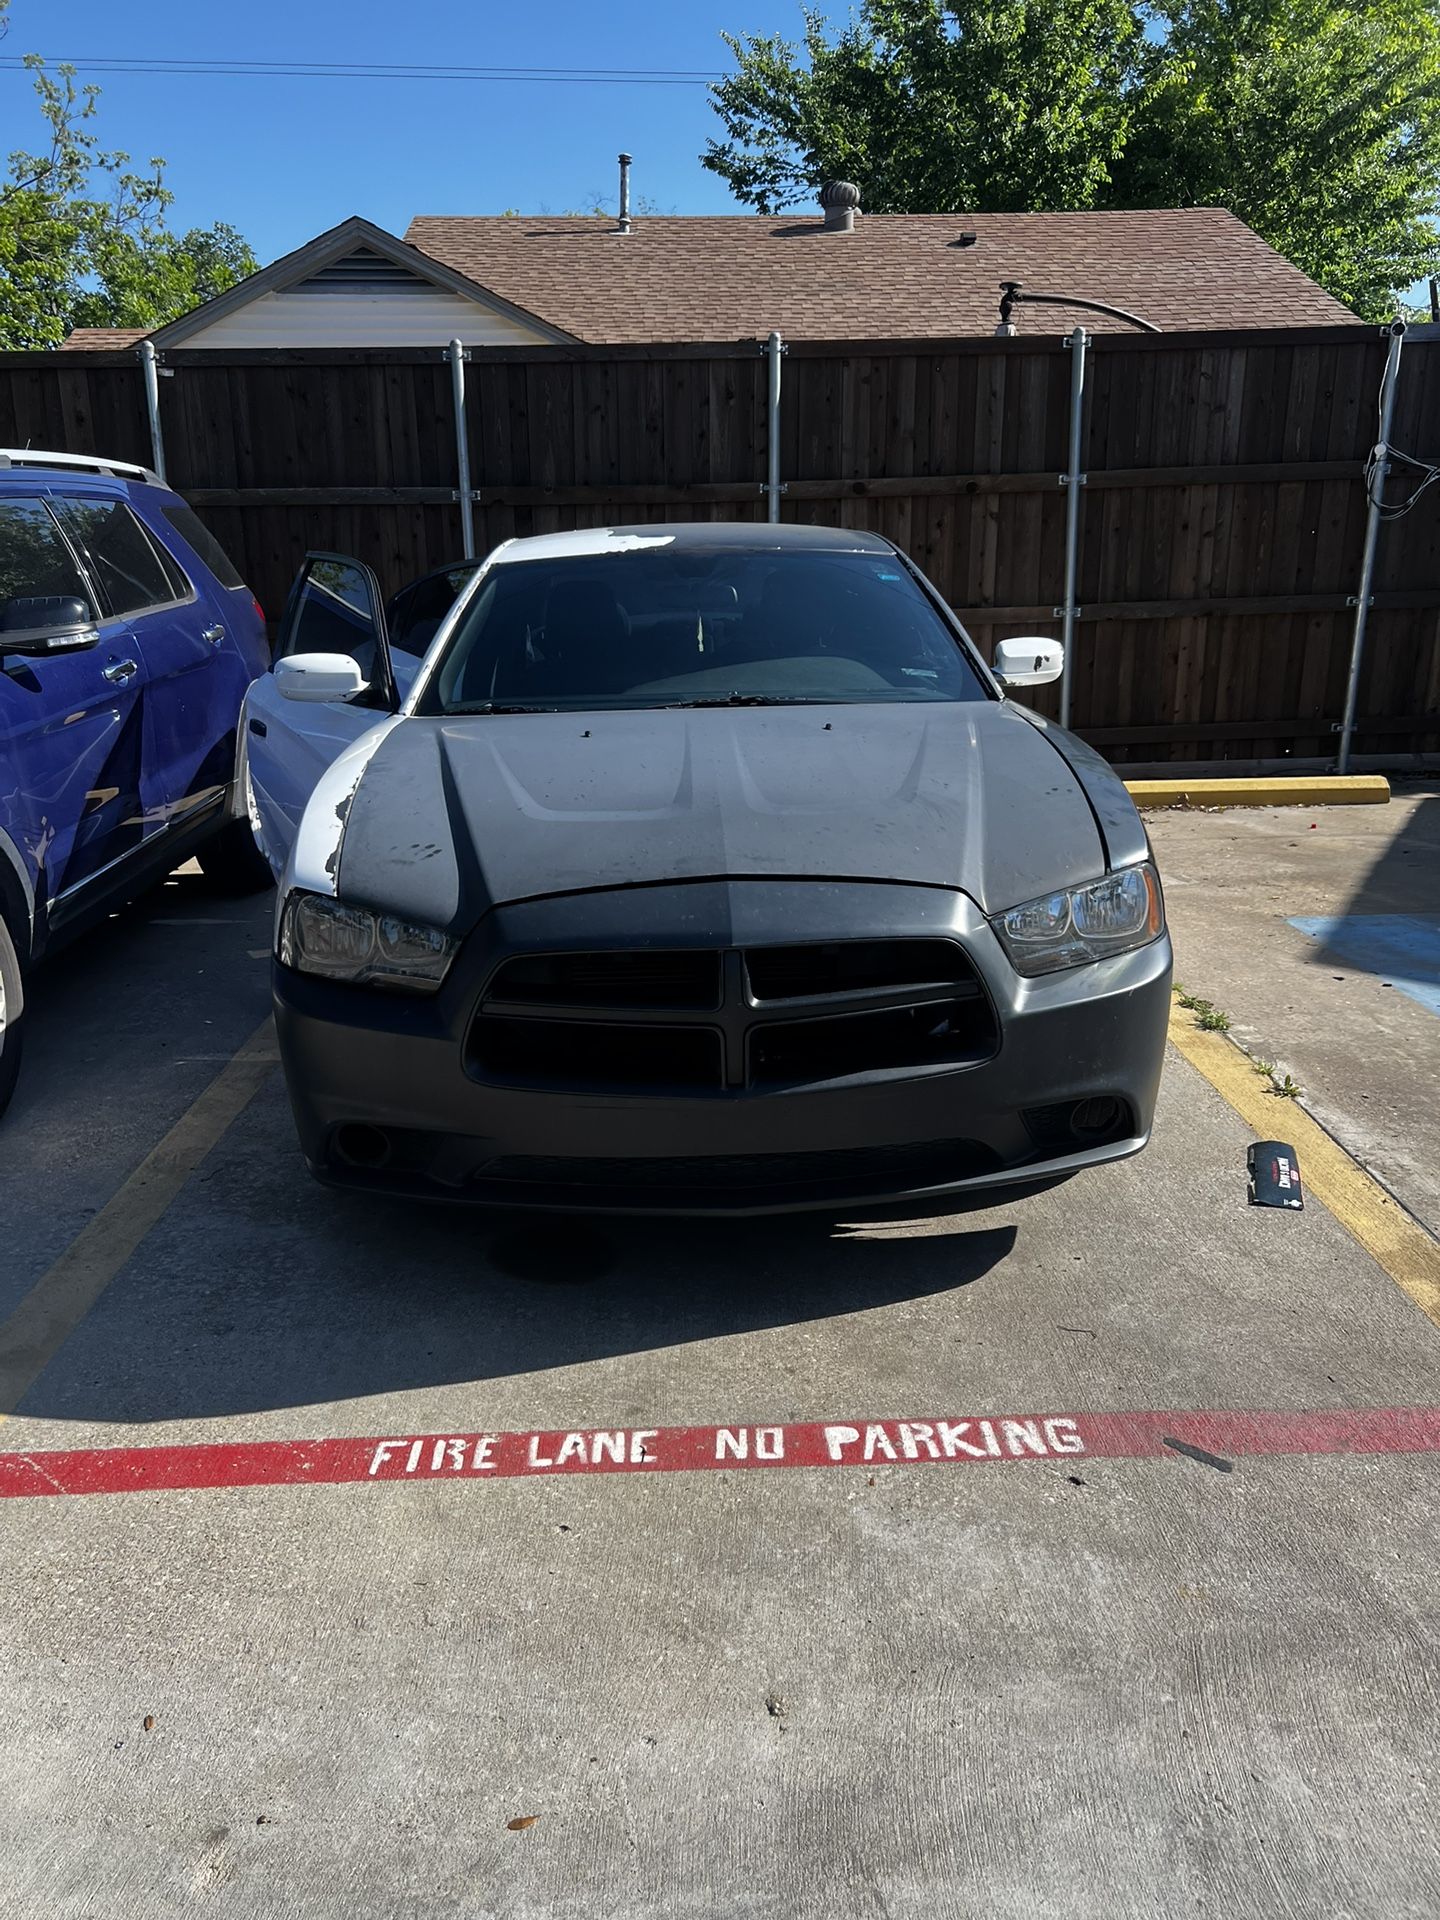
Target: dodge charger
<point x="699" y="869"/>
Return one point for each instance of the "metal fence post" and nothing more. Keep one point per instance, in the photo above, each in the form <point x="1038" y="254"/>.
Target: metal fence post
<point x="1376" y="488"/>
<point x="774" y="347"/>
<point x="151" y="371"/>
<point x="457" y="356"/>
<point x="1073" y="480"/>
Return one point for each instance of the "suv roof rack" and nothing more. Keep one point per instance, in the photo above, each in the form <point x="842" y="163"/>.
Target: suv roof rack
<point x="80" y="462"/>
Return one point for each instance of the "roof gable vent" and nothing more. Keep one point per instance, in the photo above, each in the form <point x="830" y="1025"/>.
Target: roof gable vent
<point x="364" y="271"/>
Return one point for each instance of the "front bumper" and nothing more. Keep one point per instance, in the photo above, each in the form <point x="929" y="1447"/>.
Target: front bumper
<point x="387" y="1097"/>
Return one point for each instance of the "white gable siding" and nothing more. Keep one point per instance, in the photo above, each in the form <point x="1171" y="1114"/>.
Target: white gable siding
<point x="406" y="317"/>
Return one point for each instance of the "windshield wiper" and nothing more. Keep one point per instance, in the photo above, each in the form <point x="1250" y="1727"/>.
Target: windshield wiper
<point x="499" y="706"/>
<point x="746" y="700"/>
<point x="665" y="706"/>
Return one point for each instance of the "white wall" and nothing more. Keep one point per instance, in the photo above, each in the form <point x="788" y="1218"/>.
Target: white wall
<point x="405" y="317"/>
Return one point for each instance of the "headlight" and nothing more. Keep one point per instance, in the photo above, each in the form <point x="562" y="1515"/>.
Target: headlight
<point x="324" y="936"/>
<point x="1066" y="929"/>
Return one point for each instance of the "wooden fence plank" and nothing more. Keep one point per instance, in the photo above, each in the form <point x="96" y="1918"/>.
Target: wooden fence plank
<point x="1220" y="527"/>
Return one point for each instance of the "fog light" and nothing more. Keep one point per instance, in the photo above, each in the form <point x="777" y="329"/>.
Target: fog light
<point x="363" y="1146"/>
<point x="1091" y="1119"/>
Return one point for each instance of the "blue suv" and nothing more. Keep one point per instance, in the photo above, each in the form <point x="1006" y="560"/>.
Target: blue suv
<point x="127" y="640"/>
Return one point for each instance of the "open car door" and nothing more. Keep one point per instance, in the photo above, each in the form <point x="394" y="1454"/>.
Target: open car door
<point x="335" y="607"/>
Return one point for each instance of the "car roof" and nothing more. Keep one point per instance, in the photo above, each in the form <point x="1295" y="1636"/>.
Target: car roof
<point x="690" y="536"/>
<point x="53" y="480"/>
<point x="24" y="463"/>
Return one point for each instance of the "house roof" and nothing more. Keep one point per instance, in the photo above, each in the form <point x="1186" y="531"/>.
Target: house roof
<point x="333" y="246"/>
<point x="87" y="339"/>
<point x="676" y="278"/>
<point x="330" y="250"/>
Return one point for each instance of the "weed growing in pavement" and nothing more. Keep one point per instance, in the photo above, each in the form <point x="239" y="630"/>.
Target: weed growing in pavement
<point x="1207" y="1015"/>
<point x="1281" y="1085"/>
<point x="1214" y="1019"/>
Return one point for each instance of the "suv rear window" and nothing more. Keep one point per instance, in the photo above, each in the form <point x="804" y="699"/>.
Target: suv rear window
<point x="198" y="537"/>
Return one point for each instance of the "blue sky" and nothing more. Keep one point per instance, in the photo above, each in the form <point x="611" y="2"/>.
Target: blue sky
<point x="282" y="159"/>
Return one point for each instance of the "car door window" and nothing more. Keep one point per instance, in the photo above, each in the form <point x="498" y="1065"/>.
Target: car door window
<point x="123" y="559"/>
<point x="41" y="585"/>
<point x="416" y="613"/>
<point x="335" y="607"/>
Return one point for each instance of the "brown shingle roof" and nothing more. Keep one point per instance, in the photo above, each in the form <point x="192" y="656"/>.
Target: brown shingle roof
<point x="88" y="339"/>
<point x="895" y="276"/>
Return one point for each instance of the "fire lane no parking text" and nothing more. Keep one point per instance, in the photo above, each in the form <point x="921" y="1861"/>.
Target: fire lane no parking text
<point x="1210" y="1439"/>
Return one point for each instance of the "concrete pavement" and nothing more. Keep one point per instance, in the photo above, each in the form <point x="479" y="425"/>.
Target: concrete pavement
<point x="1093" y="1687"/>
<point x="1348" y="1000"/>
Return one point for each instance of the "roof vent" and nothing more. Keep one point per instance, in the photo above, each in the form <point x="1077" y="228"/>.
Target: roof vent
<point x="841" y="201"/>
<point x="367" y="272"/>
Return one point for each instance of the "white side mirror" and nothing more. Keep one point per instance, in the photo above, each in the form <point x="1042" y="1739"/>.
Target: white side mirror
<point x="319" y="676"/>
<point x="1031" y="661"/>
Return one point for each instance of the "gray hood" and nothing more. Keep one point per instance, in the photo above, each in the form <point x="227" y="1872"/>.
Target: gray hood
<point x="453" y="816"/>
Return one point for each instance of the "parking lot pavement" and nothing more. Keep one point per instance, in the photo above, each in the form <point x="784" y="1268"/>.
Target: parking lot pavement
<point x="1318" y="932"/>
<point x="123" y="1031"/>
<point x="1135" y="1680"/>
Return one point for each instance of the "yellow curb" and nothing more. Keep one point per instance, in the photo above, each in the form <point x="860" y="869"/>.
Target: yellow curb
<point x="1368" y="1213"/>
<point x="1284" y="790"/>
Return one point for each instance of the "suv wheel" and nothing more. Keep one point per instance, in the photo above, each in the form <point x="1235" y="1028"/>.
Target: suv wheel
<point x="12" y="1005"/>
<point x="232" y="862"/>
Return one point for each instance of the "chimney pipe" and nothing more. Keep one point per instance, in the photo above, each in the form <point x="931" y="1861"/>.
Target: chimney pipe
<point x="624" y="222"/>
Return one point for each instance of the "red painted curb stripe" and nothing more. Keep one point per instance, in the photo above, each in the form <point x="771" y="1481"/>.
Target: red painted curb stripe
<point x="976" y="1439"/>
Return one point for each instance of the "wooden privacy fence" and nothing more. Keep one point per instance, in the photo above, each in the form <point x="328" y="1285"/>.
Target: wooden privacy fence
<point x="1221" y="521"/>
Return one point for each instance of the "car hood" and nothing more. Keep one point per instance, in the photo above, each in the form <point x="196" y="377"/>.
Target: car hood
<point x="453" y="816"/>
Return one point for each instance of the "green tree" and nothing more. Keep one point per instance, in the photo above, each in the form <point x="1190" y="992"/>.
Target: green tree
<point x="83" y="237"/>
<point x="976" y="104"/>
<point x="1315" y="121"/>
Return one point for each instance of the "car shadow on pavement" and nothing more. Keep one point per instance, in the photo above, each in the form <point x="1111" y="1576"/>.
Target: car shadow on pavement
<point x="147" y="971"/>
<point x="375" y="1297"/>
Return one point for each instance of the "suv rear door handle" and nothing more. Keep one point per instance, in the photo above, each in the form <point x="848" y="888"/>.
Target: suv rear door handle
<point x="214" y="635"/>
<point x="121" y="671"/>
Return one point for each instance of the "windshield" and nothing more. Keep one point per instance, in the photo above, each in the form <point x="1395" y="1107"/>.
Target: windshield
<point x="672" y="628"/>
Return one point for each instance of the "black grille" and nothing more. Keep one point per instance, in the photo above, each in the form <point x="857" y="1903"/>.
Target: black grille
<point x="621" y="979"/>
<point x="853" y="966"/>
<point x="589" y="1055"/>
<point x="940" y="1033"/>
<point x="634" y="1020"/>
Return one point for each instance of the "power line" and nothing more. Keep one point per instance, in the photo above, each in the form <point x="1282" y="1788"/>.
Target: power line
<point x="359" y="70"/>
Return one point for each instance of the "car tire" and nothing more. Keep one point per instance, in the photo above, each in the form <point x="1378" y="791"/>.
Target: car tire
<point x="12" y="1008"/>
<point x="232" y="862"/>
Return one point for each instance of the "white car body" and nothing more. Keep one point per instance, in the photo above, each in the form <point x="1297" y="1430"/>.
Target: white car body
<point x="289" y="746"/>
<point x="302" y="757"/>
